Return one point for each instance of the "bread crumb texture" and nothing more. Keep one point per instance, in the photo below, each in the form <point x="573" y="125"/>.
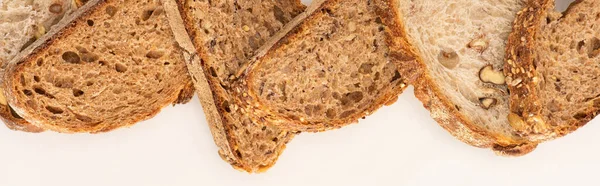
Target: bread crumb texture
<point x="115" y="65"/>
<point x="331" y="70"/>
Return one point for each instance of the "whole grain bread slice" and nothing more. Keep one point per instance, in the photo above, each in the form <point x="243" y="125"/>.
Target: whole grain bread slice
<point x="226" y="34"/>
<point x="109" y="65"/>
<point x="21" y="23"/>
<point x="552" y="69"/>
<point x="336" y="63"/>
<point x="458" y="76"/>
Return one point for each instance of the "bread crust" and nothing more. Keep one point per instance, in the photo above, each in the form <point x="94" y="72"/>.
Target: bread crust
<point x="209" y="92"/>
<point x="449" y="117"/>
<point x="14" y="123"/>
<point x="249" y="97"/>
<point x="66" y="27"/>
<point x="525" y="101"/>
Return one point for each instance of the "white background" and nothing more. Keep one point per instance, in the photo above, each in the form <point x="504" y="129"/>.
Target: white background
<point x="399" y="145"/>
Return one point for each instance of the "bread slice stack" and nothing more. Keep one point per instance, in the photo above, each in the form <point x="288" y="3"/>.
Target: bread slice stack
<point x="21" y="23"/>
<point x="504" y="75"/>
<point x="226" y="34"/>
<point x="112" y="64"/>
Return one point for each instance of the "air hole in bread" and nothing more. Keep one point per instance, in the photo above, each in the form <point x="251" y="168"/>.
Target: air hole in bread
<point x="397" y="76"/>
<point x="90" y="57"/>
<point x="448" y="58"/>
<point x="22" y="80"/>
<point x="581" y="18"/>
<point x="63" y="81"/>
<point x="39" y="62"/>
<point x="36" y="78"/>
<point x="56" y="8"/>
<point x="14" y="113"/>
<point x="83" y="118"/>
<point x="166" y="63"/>
<point x="111" y="10"/>
<point x="238" y="153"/>
<point x="71" y="57"/>
<point x="77" y="92"/>
<point x="226" y="105"/>
<point x="27" y="92"/>
<point x="580" y="45"/>
<point x="41" y="91"/>
<point x="279" y="15"/>
<point x="89" y="83"/>
<point x="347" y="113"/>
<point x="366" y="68"/>
<point x="351" y="98"/>
<point x="594" y="47"/>
<point x="146" y="14"/>
<point x="580" y="115"/>
<point x="120" y="67"/>
<point x="155" y="54"/>
<point x="90" y="22"/>
<point x="102" y="63"/>
<point x="54" y="110"/>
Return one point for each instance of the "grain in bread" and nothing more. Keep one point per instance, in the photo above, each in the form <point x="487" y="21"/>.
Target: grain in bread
<point x="111" y="64"/>
<point x="337" y="63"/>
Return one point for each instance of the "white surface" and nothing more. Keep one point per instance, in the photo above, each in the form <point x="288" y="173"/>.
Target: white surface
<point x="399" y="145"/>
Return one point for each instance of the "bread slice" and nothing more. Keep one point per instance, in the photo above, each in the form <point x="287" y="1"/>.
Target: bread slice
<point x="312" y="80"/>
<point x="110" y="65"/>
<point x="226" y="34"/>
<point x="21" y="23"/>
<point x="552" y="69"/>
<point x="461" y="46"/>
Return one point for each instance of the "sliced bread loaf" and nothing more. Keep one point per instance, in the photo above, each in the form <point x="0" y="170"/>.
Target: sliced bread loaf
<point x="21" y="23"/>
<point x="461" y="46"/>
<point x="226" y="34"/>
<point x="111" y="64"/>
<point x="336" y="63"/>
<point x="552" y="69"/>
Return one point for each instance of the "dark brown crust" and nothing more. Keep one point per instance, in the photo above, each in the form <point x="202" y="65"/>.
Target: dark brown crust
<point x="387" y="12"/>
<point x="218" y="122"/>
<point x="447" y="115"/>
<point x="17" y="65"/>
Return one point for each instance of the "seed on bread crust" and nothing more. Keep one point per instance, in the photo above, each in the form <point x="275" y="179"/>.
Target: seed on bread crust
<point x="487" y="103"/>
<point x="516" y="121"/>
<point x="487" y="74"/>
